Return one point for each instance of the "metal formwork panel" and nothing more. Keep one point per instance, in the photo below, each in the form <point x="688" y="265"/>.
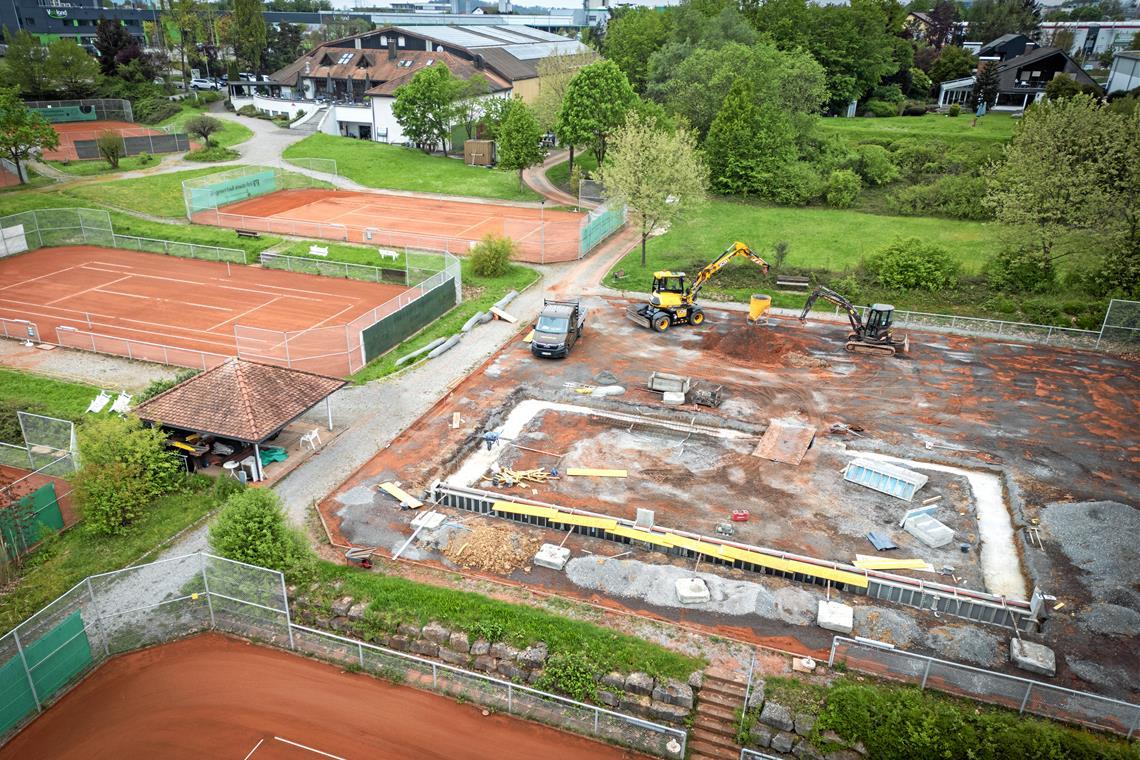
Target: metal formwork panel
<point x="884" y="477"/>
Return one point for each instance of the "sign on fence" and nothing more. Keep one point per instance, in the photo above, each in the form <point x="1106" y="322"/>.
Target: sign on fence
<point x="231" y="190"/>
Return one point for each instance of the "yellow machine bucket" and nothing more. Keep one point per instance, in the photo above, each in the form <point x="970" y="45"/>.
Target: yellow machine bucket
<point x="758" y="308"/>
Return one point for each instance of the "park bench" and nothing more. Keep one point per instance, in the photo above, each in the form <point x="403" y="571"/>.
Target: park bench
<point x="317" y="250"/>
<point x="791" y="281"/>
<point x="248" y="233"/>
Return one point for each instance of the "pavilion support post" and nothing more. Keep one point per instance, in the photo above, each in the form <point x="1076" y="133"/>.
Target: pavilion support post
<point x="328" y="410"/>
<point x="257" y="474"/>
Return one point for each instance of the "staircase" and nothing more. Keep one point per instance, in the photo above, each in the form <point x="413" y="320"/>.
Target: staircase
<point x="713" y="736"/>
<point x="310" y="123"/>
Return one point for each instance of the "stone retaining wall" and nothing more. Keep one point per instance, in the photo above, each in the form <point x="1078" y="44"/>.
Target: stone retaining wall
<point x="782" y="731"/>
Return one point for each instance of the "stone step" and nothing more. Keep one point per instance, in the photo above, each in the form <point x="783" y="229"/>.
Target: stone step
<point x="730" y="701"/>
<point x="712" y="726"/>
<point x="721" y="712"/>
<point x="727" y="675"/>
<point x="706" y="746"/>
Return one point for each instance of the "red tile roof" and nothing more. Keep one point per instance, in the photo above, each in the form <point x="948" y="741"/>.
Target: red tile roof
<point x="240" y="399"/>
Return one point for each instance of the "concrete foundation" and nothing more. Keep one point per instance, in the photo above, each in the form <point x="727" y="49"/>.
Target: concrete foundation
<point x="554" y="557"/>
<point x="692" y="591"/>
<point x="1033" y="658"/>
<point x="835" y="616"/>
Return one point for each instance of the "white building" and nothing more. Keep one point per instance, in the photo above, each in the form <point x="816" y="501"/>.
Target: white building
<point x="1091" y="38"/>
<point x="1125" y="72"/>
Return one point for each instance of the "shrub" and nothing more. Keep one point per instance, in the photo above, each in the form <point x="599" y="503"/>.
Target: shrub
<point x="843" y="187"/>
<point x="849" y="286"/>
<point x="161" y="386"/>
<point x="299" y="114"/>
<point x="248" y="110"/>
<point x="572" y="674"/>
<point x="108" y="440"/>
<point x="1021" y="269"/>
<point x="797" y="184"/>
<point x="209" y="96"/>
<point x="875" y="165"/>
<point x="228" y="105"/>
<point x="204" y="127"/>
<point x="216" y="153"/>
<point x="155" y="109"/>
<point x="957" y="196"/>
<point x="879" y="108"/>
<point x="918" y="157"/>
<point x="111" y="148"/>
<point x="111" y="497"/>
<point x="492" y="256"/>
<point x="955" y="109"/>
<point x="145" y="158"/>
<point x="251" y="528"/>
<point x="912" y="263"/>
<point x="913" y="108"/>
<point x="889" y="93"/>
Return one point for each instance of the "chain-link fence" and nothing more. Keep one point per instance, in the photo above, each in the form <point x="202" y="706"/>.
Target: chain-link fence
<point x="598" y="225"/>
<point x="590" y="193"/>
<point x="50" y="443"/>
<point x="397" y="275"/>
<point x="203" y="195"/>
<point x="751" y="754"/>
<point x="86" y="109"/>
<point x="323" y="165"/>
<point x="118" y="612"/>
<point x="1121" y="327"/>
<point x="1013" y="692"/>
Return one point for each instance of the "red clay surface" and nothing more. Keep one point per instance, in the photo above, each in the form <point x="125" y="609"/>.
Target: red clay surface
<point x="210" y="696"/>
<point x="7" y="178"/>
<point x="30" y="481"/>
<point x="400" y="221"/>
<point x="104" y="299"/>
<point x="89" y="130"/>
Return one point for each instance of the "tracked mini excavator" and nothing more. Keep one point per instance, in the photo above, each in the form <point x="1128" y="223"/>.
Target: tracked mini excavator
<point x="871" y="336"/>
<point x="674" y="302"/>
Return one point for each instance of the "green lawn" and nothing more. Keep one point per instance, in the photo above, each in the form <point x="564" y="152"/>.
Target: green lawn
<point x="158" y="194"/>
<point x="817" y="237"/>
<point x="480" y="293"/>
<point x="34" y="181"/>
<point x="66" y="559"/>
<point x="559" y="174"/>
<point x="397" y="600"/>
<point x="231" y="134"/>
<point x="97" y="166"/>
<point x="391" y="167"/>
<point x="23" y="391"/>
<point x="993" y="127"/>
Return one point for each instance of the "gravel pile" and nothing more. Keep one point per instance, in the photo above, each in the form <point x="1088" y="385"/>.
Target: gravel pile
<point x="1100" y="538"/>
<point x="1111" y="619"/>
<point x="1097" y="674"/>
<point x="967" y="644"/>
<point x="890" y="626"/>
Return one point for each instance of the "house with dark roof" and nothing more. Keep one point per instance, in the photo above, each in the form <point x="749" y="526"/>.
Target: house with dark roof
<point x="1006" y="47"/>
<point x="1021" y="80"/>
<point x="347" y="86"/>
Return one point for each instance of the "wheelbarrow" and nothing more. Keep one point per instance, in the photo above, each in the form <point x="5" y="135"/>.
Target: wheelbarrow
<point x="360" y="557"/>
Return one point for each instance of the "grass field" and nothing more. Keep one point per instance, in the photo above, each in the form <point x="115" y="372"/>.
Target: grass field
<point x="158" y="194"/>
<point x="993" y="127"/>
<point x="23" y="391"/>
<point x="95" y="167"/>
<point x="559" y="174"/>
<point x="231" y="133"/>
<point x="391" y="167"/>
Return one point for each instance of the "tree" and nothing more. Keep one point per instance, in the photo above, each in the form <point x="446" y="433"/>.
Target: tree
<point x="26" y="62"/>
<point x="111" y="147"/>
<point x="953" y="63"/>
<point x="111" y="38"/>
<point x="203" y="126"/>
<point x="657" y="174"/>
<point x="1057" y="173"/>
<point x="990" y="19"/>
<point x="111" y="497"/>
<point x="72" y="72"/>
<point x="284" y="44"/>
<point x="857" y="46"/>
<point x="943" y="20"/>
<point x="1063" y="38"/>
<point x="22" y="131"/>
<point x="495" y="112"/>
<point x="554" y="75"/>
<point x="249" y="31"/>
<point x="470" y="102"/>
<point x="519" y="146"/>
<point x="985" y="85"/>
<point x="631" y="38"/>
<point x="1121" y="162"/>
<point x="425" y="106"/>
<point x="750" y="144"/>
<point x="595" y="105"/>
<point x="491" y="256"/>
<point x="251" y="528"/>
<point x="1062" y="86"/>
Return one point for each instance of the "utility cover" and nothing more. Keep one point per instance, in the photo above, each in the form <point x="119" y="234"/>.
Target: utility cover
<point x="885" y="477"/>
<point x="785" y="441"/>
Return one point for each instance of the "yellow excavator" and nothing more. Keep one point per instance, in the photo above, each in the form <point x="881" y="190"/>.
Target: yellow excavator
<point x="873" y="335"/>
<point x="674" y="302"/>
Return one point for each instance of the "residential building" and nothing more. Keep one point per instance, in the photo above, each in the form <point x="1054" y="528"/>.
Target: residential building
<point x="348" y="86"/>
<point x="1006" y="47"/>
<point x="1125" y="72"/>
<point x="1021" y="80"/>
<point x="1091" y="38"/>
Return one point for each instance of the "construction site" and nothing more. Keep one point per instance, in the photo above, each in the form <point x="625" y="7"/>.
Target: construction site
<point x="962" y="495"/>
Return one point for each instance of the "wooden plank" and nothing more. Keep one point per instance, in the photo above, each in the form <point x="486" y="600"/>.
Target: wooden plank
<point x="529" y="337"/>
<point x="503" y="315"/>
<point x="594" y="473"/>
<point x="879" y="563"/>
<point x="527" y="509"/>
<point x="785" y="442"/>
<point x="455" y="420"/>
<point x="400" y="495"/>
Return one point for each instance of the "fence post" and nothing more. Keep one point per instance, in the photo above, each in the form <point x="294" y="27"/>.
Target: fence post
<point x="597" y="714"/>
<point x="925" y="673"/>
<point x="288" y="616"/>
<point x="831" y="657"/>
<point x="510" y="700"/>
<point x="99" y="618"/>
<point x="206" y="586"/>
<point x="434" y="677"/>
<point x="1135" y="723"/>
<point x="360" y="648"/>
<point x="1025" y="699"/>
<point x="27" y="671"/>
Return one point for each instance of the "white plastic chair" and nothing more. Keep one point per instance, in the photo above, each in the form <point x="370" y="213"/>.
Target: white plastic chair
<point x="99" y="403"/>
<point x="312" y="438"/>
<point x="122" y="403"/>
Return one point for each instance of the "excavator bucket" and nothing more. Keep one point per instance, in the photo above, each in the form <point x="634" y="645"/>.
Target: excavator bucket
<point x="636" y="314"/>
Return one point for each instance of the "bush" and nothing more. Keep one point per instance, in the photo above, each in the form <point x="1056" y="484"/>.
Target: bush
<point x="797" y="184"/>
<point x="492" y="256"/>
<point x="209" y="96"/>
<point x="251" y="528"/>
<point x="913" y="108"/>
<point x="572" y="674"/>
<point x="955" y="109"/>
<point x="110" y="497"/>
<point x="1021" y="269"/>
<point x="161" y="386"/>
<point x="888" y="93"/>
<point x="880" y="108"/>
<point x="843" y="187"/>
<point x="248" y="110"/>
<point x="228" y="105"/>
<point x="109" y="440"/>
<point x="155" y="109"/>
<point x="912" y="263"/>
<point x="145" y="158"/>
<point x="918" y="157"/>
<point x="216" y="153"/>
<point x="849" y="286"/>
<point x="956" y="196"/>
<point x="111" y="148"/>
<point x="875" y="165"/>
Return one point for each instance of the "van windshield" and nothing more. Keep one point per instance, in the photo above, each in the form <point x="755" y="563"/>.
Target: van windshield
<point x="552" y="325"/>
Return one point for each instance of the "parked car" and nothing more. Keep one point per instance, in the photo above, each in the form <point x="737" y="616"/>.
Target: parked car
<point x="203" y="84"/>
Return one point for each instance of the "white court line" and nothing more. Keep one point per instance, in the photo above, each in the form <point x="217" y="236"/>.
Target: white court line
<point x="310" y="749"/>
<point x="42" y="276"/>
<point x="244" y="313"/>
<point x="86" y="290"/>
<point x="166" y="300"/>
<point x="259" y="743"/>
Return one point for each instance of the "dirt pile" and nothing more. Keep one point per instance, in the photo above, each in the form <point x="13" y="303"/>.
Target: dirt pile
<point x="758" y="346"/>
<point x="493" y="548"/>
<point x="801" y="360"/>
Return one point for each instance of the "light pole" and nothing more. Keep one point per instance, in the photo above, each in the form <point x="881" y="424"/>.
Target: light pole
<point x="542" y="227"/>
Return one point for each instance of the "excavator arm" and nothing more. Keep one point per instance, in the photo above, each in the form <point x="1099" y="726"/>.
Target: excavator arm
<point x="831" y="296"/>
<point x="706" y="274"/>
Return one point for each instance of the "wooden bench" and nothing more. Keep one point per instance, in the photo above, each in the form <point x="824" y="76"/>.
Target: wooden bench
<point x="248" y="233"/>
<point x="790" y="281"/>
<point x="316" y="250"/>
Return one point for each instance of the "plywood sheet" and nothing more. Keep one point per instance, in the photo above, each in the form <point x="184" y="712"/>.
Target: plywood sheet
<point x="785" y="442"/>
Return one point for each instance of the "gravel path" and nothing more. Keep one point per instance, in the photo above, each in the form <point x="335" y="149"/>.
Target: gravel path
<point x="104" y="371"/>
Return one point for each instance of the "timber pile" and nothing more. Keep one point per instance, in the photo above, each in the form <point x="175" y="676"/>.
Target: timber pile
<point x="508" y="477"/>
<point x="492" y="548"/>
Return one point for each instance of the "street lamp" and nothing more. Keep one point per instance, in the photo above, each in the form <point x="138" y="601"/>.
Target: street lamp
<point x="542" y="227"/>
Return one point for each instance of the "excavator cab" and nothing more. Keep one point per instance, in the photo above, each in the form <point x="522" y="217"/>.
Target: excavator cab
<point x="879" y="317"/>
<point x="669" y="289"/>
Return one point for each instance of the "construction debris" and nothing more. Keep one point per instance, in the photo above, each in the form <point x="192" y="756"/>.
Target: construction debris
<point x="505" y="476"/>
<point x="503" y="315"/>
<point x="674" y="398"/>
<point x="664" y="382"/>
<point x="884" y="477"/>
<point x="551" y="556"/>
<point x="882" y="563"/>
<point x="708" y="395"/>
<point x="785" y="441"/>
<point x="835" y="616"/>
<point x="406" y="500"/>
<point x="881" y="541"/>
<point x="494" y="548"/>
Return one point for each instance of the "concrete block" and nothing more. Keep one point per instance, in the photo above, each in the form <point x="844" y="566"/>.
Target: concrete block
<point x="342" y="605"/>
<point x="341" y="623"/>
<point x="639" y="683"/>
<point x="762" y="736"/>
<point x="756" y="696"/>
<point x="436" y="633"/>
<point x="614" y="680"/>
<point x="692" y="591"/>
<point x="607" y="698"/>
<point x="480" y="647"/>
<point x="835" y="616"/>
<point x="644" y="518"/>
<point x="534" y="676"/>
<point x="777" y="716"/>
<point x="400" y="642"/>
<point x="806" y="751"/>
<point x="1034" y="658"/>
<point x="805" y="722"/>
<point x="929" y="531"/>
<point x="803" y="665"/>
<point x="552" y="556"/>
<point x="674" y="692"/>
<point x="783" y="741"/>
<point x="638" y="704"/>
<point x="429" y="520"/>
<point x="697" y="680"/>
<point x="673" y="397"/>
<point x="659" y="710"/>
<point x="451" y="657"/>
<point x="510" y="670"/>
<point x="486" y="663"/>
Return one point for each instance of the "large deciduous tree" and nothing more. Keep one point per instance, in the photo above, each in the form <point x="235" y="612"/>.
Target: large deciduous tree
<point x="990" y="19"/>
<point x="425" y="107"/>
<point x="249" y="32"/>
<point x="554" y="75"/>
<point x="631" y="38"/>
<point x="284" y="44"/>
<point x="27" y="64"/>
<point x="111" y="38"/>
<point x="22" y="131"/>
<point x="519" y="142"/>
<point x="596" y="103"/>
<point x="953" y="63"/>
<point x="656" y="173"/>
<point x="73" y="73"/>
<point x="750" y="145"/>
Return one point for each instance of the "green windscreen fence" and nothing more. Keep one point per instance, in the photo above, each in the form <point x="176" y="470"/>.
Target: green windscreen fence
<point x="232" y="190"/>
<point x="394" y="328"/>
<point x="599" y="225"/>
<point x="28" y="520"/>
<point x="53" y="661"/>
<point x="61" y="114"/>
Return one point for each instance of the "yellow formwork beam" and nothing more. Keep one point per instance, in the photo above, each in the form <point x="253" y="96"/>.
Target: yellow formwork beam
<point x="401" y="495"/>
<point x="527" y="509"/>
<point x="594" y="473"/>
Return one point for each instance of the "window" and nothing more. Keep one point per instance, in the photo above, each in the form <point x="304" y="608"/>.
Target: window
<point x="429" y="62"/>
<point x="405" y="63"/>
<point x="345" y="58"/>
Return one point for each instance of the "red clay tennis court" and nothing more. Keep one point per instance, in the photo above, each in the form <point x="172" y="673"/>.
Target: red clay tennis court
<point x="212" y="696"/>
<point x="402" y="221"/>
<point x="183" y="311"/>
<point x="69" y="132"/>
